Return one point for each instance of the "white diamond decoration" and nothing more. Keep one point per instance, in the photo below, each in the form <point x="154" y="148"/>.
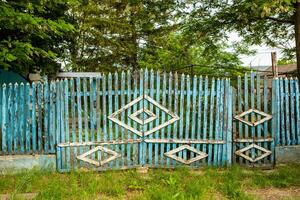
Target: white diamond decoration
<point x="151" y="117"/>
<point x="98" y="163"/>
<point x="113" y="116"/>
<point x="200" y="154"/>
<point x="241" y="153"/>
<point x="266" y="117"/>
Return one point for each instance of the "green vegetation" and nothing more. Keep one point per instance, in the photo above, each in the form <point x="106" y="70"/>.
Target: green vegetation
<point x="210" y="183"/>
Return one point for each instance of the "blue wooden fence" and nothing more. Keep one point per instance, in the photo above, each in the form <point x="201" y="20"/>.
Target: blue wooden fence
<point x="74" y="116"/>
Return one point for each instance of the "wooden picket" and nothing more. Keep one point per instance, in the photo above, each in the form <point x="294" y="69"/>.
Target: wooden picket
<point x="151" y="118"/>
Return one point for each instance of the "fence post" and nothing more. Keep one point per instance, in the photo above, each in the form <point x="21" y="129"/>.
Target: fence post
<point x="275" y="133"/>
<point x="229" y="122"/>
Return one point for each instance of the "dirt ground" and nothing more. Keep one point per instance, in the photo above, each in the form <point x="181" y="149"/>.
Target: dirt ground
<point x="276" y="193"/>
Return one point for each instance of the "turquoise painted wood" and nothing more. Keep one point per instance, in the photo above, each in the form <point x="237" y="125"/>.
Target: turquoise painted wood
<point x="100" y="116"/>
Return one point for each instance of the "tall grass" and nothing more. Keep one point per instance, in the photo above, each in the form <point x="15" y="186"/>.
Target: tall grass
<point x="210" y="183"/>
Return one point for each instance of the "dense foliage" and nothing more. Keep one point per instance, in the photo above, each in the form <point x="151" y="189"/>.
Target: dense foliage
<point x="269" y="22"/>
<point x="90" y="35"/>
<point x="33" y="34"/>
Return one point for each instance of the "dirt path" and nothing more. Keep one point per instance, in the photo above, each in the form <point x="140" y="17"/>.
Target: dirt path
<point x="276" y="193"/>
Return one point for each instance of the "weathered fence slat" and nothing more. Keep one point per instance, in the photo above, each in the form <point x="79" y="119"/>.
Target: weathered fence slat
<point x="73" y="120"/>
<point x="16" y="118"/>
<point x="128" y="146"/>
<point x="182" y="88"/>
<point x="217" y="119"/>
<point x="193" y="113"/>
<point x="10" y="117"/>
<point x="297" y="97"/>
<point x="4" y="119"/>
<point x="79" y="117"/>
<point x="150" y="146"/>
<point x="205" y="114"/>
<point x="22" y="119"/>
<point x="292" y="100"/>
<point x="211" y="120"/>
<point x="123" y="134"/>
<point x="110" y="104"/>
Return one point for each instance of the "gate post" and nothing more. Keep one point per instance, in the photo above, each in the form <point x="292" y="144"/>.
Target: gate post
<point x="228" y="130"/>
<point x="275" y="132"/>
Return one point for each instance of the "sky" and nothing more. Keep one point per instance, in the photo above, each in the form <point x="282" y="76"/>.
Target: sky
<point x="261" y="58"/>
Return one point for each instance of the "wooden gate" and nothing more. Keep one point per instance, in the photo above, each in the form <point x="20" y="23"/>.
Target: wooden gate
<point x="255" y="115"/>
<point x="150" y="119"/>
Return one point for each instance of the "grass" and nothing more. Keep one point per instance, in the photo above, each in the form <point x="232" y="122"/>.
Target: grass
<point x="209" y="183"/>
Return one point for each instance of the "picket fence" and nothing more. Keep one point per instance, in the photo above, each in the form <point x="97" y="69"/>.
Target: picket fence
<point x="76" y="119"/>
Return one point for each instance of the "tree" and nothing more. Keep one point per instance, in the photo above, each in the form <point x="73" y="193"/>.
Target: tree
<point x="274" y="23"/>
<point x="179" y="52"/>
<point x="33" y="35"/>
<point x="112" y="34"/>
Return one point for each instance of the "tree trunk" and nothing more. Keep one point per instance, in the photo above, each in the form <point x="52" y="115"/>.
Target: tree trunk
<point x="297" y="35"/>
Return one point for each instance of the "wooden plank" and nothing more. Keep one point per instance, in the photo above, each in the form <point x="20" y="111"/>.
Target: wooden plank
<point x="141" y="106"/>
<point x="58" y="126"/>
<point x="258" y="107"/>
<point x="79" y="115"/>
<point x="40" y="115"/>
<point x="62" y="122"/>
<point x="85" y="113"/>
<point x="287" y="112"/>
<point x="104" y="110"/>
<point x="135" y="159"/>
<point x="282" y="113"/>
<point x="170" y="107"/>
<point x="16" y="118"/>
<point x="229" y="126"/>
<point x="116" y="107"/>
<point x="274" y="113"/>
<point x="217" y="121"/>
<point x="150" y="146"/>
<point x="240" y="109"/>
<point x="266" y="104"/>
<point x="256" y="140"/>
<point x="52" y="117"/>
<point x="199" y="113"/>
<point x="4" y="119"/>
<point x="10" y="117"/>
<point x="252" y="116"/>
<point x="175" y="127"/>
<point x="297" y="109"/>
<point x="123" y="83"/>
<point x="22" y="118"/>
<point x="205" y="113"/>
<point x="27" y="118"/>
<point x="292" y="105"/>
<point x="46" y="116"/>
<point x="182" y="110"/>
<point x="110" y="111"/>
<point x="66" y="121"/>
<point x="187" y="113"/>
<point x="98" y="113"/>
<point x="185" y="141"/>
<point x="246" y="107"/>
<point x="128" y="147"/>
<point x="73" y="119"/>
<point x="91" y="119"/>
<point x="211" y="120"/>
<point x="194" y="111"/>
<point x="163" y="116"/>
<point x="33" y="115"/>
<point x="222" y="148"/>
<point x="145" y="108"/>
